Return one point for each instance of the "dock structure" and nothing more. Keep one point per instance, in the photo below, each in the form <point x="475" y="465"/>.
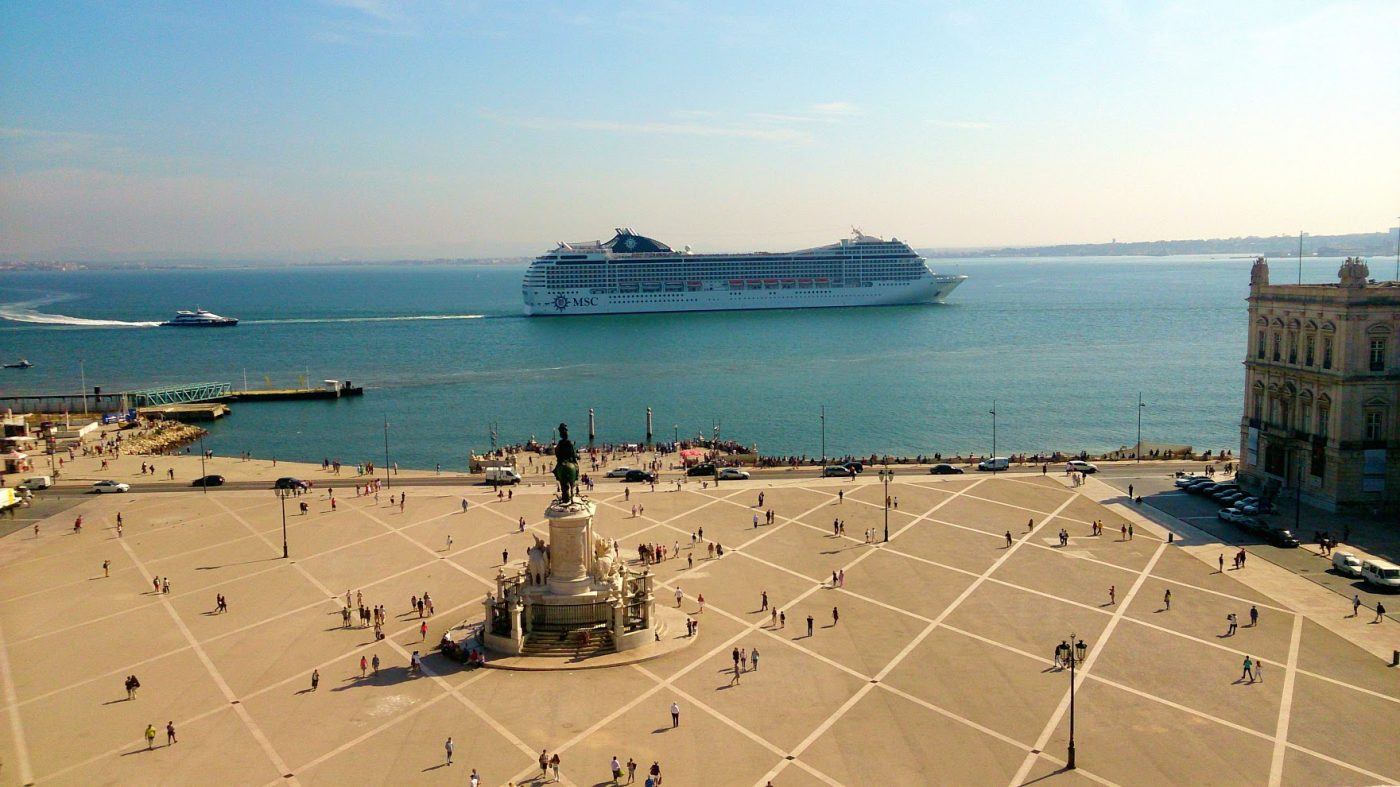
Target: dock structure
<point x="189" y="393"/>
<point x="198" y="411"/>
<point x="180" y="394"/>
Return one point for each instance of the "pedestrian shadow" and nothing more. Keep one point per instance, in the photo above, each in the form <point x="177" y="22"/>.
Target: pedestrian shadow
<point x="114" y="702"/>
<point x="303" y="691"/>
<point x="661" y="730"/>
<point x="435" y="767"/>
<point x="144" y="751"/>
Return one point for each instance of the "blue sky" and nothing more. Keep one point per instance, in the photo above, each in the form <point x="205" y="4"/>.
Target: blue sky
<point x="375" y="129"/>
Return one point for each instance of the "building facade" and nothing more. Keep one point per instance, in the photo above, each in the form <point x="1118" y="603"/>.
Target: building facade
<point x="1322" y="390"/>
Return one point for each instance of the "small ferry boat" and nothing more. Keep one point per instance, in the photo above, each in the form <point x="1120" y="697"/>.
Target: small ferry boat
<point x="199" y="318"/>
<point x="22" y="363"/>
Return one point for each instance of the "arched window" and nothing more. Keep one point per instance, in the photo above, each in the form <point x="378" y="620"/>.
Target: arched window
<point x="1309" y="346"/>
<point x="1278" y="346"/>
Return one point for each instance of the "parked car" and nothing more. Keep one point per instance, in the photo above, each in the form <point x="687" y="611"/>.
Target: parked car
<point x="639" y="475"/>
<point x="837" y="471"/>
<point x="994" y="464"/>
<point x="701" y="469"/>
<point x="1228" y="497"/>
<point x="945" y="469"/>
<point x="1381" y="574"/>
<point x="208" y="480"/>
<point x="1229" y="515"/>
<point x="733" y="474"/>
<point x="1252" y="524"/>
<point x="1188" y="480"/>
<point x="1346" y="563"/>
<point x="35" y="483"/>
<point x="102" y="487"/>
<point x="619" y="472"/>
<point x="855" y="467"/>
<point x="1202" y="487"/>
<point x="1080" y="466"/>
<point x="1281" y="537"/>
<point x="287" y="482"/>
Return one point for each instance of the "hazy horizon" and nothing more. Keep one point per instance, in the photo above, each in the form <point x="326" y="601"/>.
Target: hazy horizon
<point x="370" y="129"/>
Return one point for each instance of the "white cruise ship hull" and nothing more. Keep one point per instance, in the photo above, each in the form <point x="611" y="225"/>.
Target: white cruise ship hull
<point x="540" y="301"/>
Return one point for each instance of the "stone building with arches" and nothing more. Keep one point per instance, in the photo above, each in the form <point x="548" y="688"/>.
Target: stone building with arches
<point x="1322" y="390"/>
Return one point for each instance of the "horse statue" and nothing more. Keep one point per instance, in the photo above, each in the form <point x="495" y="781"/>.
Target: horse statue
<point x="566" y="466"/>
<point x="538" y="562"/>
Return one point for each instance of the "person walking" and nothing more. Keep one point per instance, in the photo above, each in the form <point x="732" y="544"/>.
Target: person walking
<point x="1233" y="624"/>
<point x="544" y="763"/>
<point x="1259" y="670"/>
<point x="616" y="767"/>
<point x="150" y="736"/>
<point x="364" y="665"/>
<point x="448" y="746"/>
<point x="106" y="568"/>
<point x="170" y="733"/>
<point x="1248" y="669"/>
<point x="1355" y="604"/>
<point x="1008" y="539"/>
<point x="631" y="770"/>
<point x="1222" y="563"/>
<point x="809" y="625"/>
<point x="449" y="542"/>
<point x="1167" y="599"/>
<point x="753" y="655"/>
<point x="475" y="779"/>
<point x="676" y="712"/>
<point x="835" y="616"/>
<point x="423" y="631"/>
<point x="1380" y="612"/>
<point x="315" y="679"/>
<point x="1253" y="616"/>
<point x="679" y="595"/>
<point x="375" y="663"/>
<point x="763" y="601"/>
<point x="1112" y="595"/>
<point x="554" y="765"/>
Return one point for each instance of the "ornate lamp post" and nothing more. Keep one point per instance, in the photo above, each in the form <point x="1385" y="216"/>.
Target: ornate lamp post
<point x="993" y="412"/>
<point x="885" y="476"/>
<point x="282" y="496"/>
<point x="1141" y="405"/>
<point x="1076" y="657"/>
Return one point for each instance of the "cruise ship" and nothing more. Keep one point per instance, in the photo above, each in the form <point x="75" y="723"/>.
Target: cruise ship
<point x="634" y="273"/>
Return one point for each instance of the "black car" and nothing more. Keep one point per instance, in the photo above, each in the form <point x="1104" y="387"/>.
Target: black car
<point x="639" y="475"/>
<point x="287" y="482"/>
<point x="945" y="469"/>
<point x="1280" y="537"/>
<point x="703" y="469"/>
<point x="209" y="480"/>
<point x="854" y="467"/>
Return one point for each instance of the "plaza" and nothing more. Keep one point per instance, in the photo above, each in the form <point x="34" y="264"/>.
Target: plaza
<point x="938" y="671"/>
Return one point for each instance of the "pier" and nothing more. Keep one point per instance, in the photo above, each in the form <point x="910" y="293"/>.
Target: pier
<point x="166" y="396"/>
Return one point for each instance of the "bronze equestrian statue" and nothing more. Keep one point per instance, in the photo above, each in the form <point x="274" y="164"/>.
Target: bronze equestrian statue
<point x="566" y="466"/>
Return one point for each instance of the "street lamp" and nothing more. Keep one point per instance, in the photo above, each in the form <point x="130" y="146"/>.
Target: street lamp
<point x="1076" y="657"/>
<point x="282" y="496"/>
<point x="387" y="482"/>
<point x="1138" y="453"/>
<point x="886" y="475"/>
<point x="994" y="434"/>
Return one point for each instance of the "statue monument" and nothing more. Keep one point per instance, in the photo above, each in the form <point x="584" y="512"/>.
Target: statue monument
<point x="574" y="592"/>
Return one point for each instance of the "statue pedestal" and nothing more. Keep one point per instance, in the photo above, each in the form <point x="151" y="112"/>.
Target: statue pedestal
<point x="570" y="548"/>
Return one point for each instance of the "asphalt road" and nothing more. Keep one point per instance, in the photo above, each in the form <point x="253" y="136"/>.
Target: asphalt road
<point x="1159" y="491"/>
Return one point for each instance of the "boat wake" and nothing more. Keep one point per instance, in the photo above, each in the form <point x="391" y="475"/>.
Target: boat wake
<point x="402" y="318"/>
<point x="28" y="312"/>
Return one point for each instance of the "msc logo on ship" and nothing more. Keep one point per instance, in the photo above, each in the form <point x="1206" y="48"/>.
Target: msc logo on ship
<point x="563" y="302"/>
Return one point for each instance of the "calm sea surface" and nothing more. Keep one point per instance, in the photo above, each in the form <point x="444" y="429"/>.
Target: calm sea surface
<point x="1062" y="345"/>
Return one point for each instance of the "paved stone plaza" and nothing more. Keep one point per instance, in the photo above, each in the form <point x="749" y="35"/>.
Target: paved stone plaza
<point x="938" y="671"/>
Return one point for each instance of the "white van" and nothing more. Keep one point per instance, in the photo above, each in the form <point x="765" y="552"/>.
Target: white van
<point x="502" y="475"/>
<point x="37" y="482"/>
<point x="1346" y="563"/>
<point x="1381" y="574"/>
<point x="994" y="464"/>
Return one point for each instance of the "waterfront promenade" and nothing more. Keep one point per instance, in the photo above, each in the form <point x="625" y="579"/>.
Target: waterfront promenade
<point x="939" y="668"/>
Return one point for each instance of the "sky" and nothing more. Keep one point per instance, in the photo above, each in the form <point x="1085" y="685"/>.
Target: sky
<point x="371" y="129"/>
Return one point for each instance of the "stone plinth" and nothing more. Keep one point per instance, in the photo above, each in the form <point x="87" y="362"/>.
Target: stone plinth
<point x="570" y="548"/>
